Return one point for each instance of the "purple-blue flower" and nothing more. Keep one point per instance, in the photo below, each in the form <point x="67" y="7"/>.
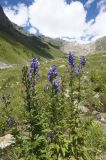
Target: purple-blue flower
<point x="77" y="70"/>
<point x="52" y="73"/>
<point x="55" y="82"/>
<point x="10" y="121"/>
<point x="71" y="59"/>
<point x="47" y="86"/>
<point x="82" y="60"/>
<point x="34" y="67"/>
<point x="56" y="85"/>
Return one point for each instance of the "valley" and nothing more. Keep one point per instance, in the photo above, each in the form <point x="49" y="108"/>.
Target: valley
<point x="52" y="96"/>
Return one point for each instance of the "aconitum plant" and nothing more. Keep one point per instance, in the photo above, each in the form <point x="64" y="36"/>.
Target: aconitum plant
<point x="75" y="72"/>
<point x="82" y="61"/>
<point x="53" y="79"/>
<point x="52" y="73"/>
<point x="53" y="86"/>
<point x="10" y="121"/>
<point x="31" y="102"/>
<point x="70" y="71"/>
<point x="47" y="86"/>
<point x="75" y="69"/>
<point x="71" y="59"/>
<point x="33" y="123"/>
<point x="56" y="85"/>
<point x="34" y="67"/>
<point x="52" y="127"/>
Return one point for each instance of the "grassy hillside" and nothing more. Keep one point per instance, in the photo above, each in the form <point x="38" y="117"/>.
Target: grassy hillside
<point x="11" y="51"/>
<point x="96" y="69"/>
<point x="10" y="78"/>
<point x="94" y="84"/>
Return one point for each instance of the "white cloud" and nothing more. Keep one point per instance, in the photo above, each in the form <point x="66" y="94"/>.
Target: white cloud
<point x="101" y="5"/>
<point x="17" y="14"/>
<point x="57" y="19"/>
<point x="54" y="18"/>
<point x="99" y="27"/>
<point x="32" y="30"/>
<point x="88" y="3"/>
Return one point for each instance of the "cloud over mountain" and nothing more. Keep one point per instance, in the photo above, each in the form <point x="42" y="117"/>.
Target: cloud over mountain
<point x="17" y="14"/>
<point x="58" y="19"/>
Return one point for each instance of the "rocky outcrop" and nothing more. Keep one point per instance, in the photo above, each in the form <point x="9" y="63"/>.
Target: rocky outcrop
<point x="78" y="48"/>
<point x="100" y="44"/>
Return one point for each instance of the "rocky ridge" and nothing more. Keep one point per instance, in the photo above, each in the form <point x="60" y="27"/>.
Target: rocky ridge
<point x="78" y="48"/>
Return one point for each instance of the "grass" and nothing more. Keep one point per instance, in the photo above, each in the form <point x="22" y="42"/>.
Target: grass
<point x="97" y="75"/>
<point x="10" y="79"/>
<point x="14" y="52"/>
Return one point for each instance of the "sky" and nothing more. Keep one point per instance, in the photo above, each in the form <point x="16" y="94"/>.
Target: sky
<point x="81" y="20"/>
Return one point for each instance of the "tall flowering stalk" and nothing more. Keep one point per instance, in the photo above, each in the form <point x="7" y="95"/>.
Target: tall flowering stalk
<point x="53" y="85"/>
<point x="71" y="61"/>
<point x="34" y="68"/>
<point x="55" y="110"/>
<point x="75" y="72"/>
<point x="52" y="77"/>
<point x="6" y="114"/>
<point x="79" y="70"/>
<point x="31" y="102"/>
<point x="34" y="141"/>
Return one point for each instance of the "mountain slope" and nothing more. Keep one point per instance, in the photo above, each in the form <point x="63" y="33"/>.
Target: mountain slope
<point x="78" y="48"/>
<point x="101" y="44"/>
<point x="16" y="47"/>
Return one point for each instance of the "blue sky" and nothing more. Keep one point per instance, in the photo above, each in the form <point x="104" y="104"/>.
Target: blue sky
<point x="14" y="2"/>
<point x="50" y="17"/>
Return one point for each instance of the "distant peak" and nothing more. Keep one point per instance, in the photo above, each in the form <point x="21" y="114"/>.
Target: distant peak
<point x="1" y="9"/>
<point x="4" y="21"/>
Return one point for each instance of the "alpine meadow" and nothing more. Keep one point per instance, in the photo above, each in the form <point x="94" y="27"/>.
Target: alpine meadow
<point x="53" y="80"/>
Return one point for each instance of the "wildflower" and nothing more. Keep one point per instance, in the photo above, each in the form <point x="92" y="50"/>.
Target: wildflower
<point x="71" y="59"/>
<point x="56" y="85"/>
<point x="34" y="67"/>
<point x="10" y="121"/>
<point x="47" y="86"/>
<point x="52" y="73"/>
<point x="82" y="60"/>
<point x="77" y="70"/>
